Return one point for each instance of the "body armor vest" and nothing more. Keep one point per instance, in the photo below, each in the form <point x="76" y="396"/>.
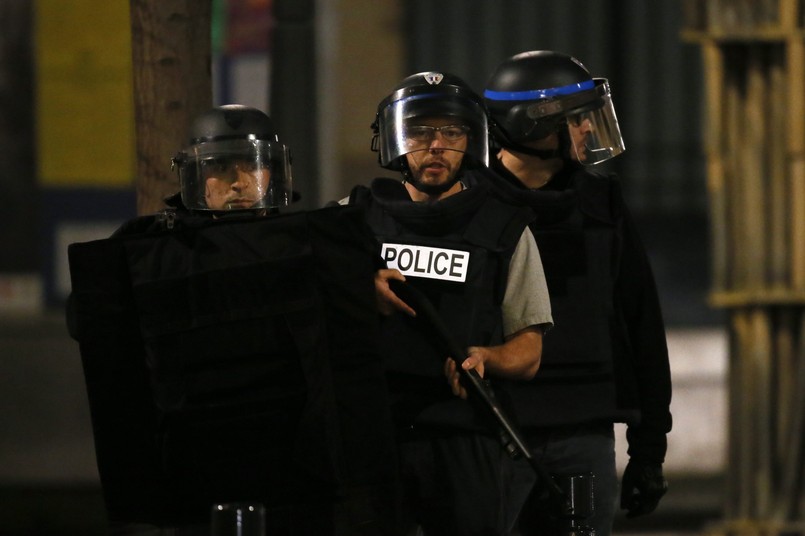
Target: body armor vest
<point x="579" y="249"/>
<point x="578" y="258"/>
<point x="457" y="252"/>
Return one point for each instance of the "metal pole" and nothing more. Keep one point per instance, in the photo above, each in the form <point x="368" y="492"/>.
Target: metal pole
<point x="293" y="99"/>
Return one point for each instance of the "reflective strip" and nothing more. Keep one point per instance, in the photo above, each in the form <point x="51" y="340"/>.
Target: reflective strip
<point x="536" y="94"/>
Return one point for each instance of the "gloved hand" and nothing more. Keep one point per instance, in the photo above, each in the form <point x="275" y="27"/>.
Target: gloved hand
<point x="642" y="487"/>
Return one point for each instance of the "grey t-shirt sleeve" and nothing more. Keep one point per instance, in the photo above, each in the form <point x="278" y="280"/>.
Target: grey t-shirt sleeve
<point x="526" y="302"/>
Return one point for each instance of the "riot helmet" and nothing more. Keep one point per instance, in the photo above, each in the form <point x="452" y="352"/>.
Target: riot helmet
<point x="234" y="161"/>
<point x="534" y="94"/>
<point x="399" y="129"/>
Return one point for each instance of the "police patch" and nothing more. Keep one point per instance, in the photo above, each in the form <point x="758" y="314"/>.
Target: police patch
<point x="431" y="263"/>
<point x="433" y="78"/>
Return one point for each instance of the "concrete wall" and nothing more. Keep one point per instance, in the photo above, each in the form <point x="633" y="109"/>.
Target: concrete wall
<point x="364" y="61"/>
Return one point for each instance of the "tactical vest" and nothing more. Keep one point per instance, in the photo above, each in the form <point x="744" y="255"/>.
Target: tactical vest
<point x="456" y="251"/>
<point x="579" y="248"/>
<point x="236" y="360"/>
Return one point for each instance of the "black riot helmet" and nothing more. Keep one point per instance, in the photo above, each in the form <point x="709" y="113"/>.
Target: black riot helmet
<point x="429" y="95"/>
<point x="234" y="161"/>
<point x="534" y="94"/>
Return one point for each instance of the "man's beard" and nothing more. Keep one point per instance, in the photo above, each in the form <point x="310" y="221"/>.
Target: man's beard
<point x="415" y="178"/>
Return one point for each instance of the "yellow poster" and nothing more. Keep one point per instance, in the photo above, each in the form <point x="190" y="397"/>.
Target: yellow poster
<point x="84" y="107"/>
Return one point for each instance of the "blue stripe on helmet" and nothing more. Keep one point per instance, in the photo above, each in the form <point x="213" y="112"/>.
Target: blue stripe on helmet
<point x="536" y="94"/>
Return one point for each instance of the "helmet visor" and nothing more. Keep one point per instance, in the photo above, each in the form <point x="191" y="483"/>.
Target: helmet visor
<point x="235" y="175"/>
<point x="422" y="123"/>
<point x="586" y="108"/>
<point x="594" y="133"/>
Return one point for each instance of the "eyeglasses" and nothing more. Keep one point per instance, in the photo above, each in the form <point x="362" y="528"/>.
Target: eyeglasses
<point x="426" y="134"/>
<point x="228" y="164"/>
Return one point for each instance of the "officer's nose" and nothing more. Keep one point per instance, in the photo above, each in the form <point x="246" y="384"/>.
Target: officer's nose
<point x="242" y="180"/>
<point x="437" y="143"/>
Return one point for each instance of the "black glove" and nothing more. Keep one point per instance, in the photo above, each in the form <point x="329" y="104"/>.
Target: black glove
<point x="642" y="487"/>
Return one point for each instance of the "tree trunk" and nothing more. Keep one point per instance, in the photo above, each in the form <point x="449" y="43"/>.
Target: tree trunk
<point x="171" y="49"/>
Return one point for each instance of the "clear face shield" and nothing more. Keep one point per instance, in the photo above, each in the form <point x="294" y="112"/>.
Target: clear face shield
<point x="591" y="122"/>
<point x="235" y="175"/>
<point x="420" y="124"/>
<point x="594" y="134"/>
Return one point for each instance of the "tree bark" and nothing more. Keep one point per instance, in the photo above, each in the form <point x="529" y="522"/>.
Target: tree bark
<point x="171" y="49"/>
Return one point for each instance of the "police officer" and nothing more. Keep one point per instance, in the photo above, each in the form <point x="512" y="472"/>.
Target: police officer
<point x="606" y="360"/>
<point x="234" y="161"/>
<point x="233" y="165"/>
<point x="233" y="357"/>
<point x="444" y="231"/>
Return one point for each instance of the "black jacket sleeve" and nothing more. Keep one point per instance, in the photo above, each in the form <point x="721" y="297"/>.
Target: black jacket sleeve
<point x="644" y="362"/>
